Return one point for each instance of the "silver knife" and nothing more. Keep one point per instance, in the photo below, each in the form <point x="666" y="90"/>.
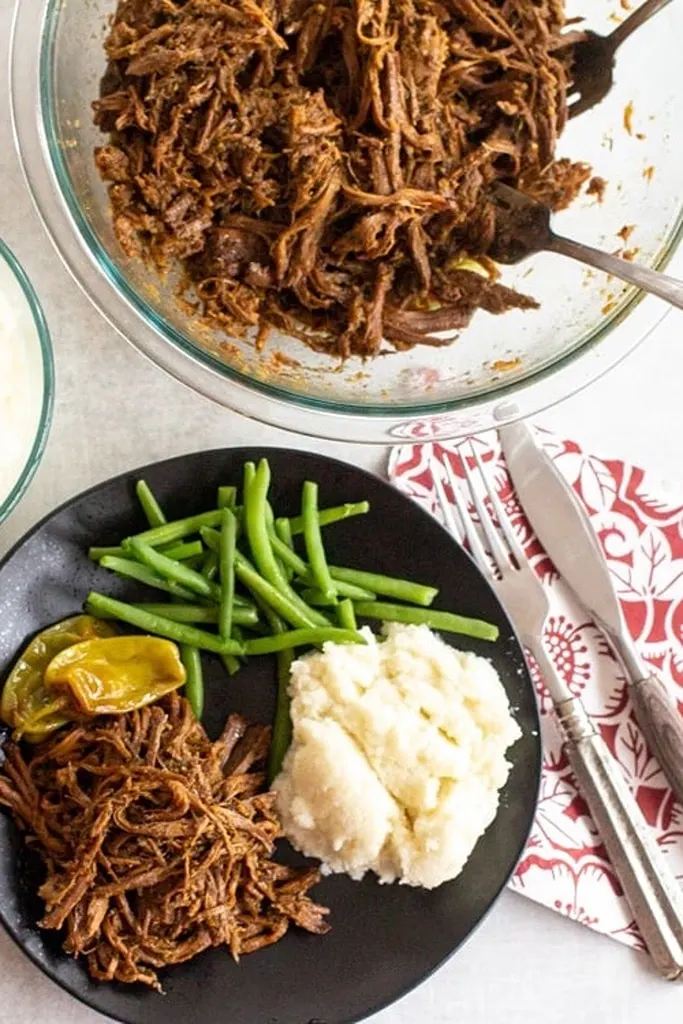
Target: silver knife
<point x="562" y="526"/>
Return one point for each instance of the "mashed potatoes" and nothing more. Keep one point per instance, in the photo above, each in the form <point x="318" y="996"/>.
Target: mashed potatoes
<point x="397" y="757"/>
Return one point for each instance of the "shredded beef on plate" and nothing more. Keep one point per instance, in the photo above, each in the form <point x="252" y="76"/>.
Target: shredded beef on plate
<point x="157" y="843"/>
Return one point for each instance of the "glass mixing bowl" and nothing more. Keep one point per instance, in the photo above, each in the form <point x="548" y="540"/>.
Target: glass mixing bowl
<point x="27" y="360"/>
<point x="499" y="368"/>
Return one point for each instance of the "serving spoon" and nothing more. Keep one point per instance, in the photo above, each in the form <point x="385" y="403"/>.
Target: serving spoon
<point x="523" y="228"/>
<point x="593" y="58"/>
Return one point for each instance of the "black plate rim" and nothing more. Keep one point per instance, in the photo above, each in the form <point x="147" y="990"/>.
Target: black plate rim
<point x="84" y="1000"/>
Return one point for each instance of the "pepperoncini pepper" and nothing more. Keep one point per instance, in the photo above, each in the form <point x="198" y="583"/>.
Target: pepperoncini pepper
<point x="27" y="705"/>
<point x="79" y="668"/>
<point x="115" y="675"/>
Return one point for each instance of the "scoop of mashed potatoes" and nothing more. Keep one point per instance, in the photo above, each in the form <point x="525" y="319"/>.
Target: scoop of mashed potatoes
<point x="397" y="757"/>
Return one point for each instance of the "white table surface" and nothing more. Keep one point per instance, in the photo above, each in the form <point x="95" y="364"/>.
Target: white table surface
<point x="115" y="411"/>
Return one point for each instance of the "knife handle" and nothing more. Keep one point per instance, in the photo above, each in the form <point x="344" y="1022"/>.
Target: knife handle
<point x="662" y="725"/>
<point x="655" y="708"/>
<point x="650" y="887"/>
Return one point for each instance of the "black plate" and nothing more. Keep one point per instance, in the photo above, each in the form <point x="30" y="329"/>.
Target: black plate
<point x="384" y="939"/>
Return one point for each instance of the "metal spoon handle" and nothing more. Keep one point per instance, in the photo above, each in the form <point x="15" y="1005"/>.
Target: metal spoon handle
<point x="635" y="20"/>
<point x="665" y="287"/>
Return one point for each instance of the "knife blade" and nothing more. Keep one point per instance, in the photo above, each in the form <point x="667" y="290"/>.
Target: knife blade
<point x="562" y="526"/>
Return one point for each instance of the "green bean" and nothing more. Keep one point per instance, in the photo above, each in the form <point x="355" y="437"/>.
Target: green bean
<point x="150" y="505"/>
<point x="353" y="591"/>
<point x="289" y="557"/>
<point x="256" y="528"/>
<point x="315" y="550"/>
<point x="190" y="613"/>
<point x="227" y="572"/>
<point x="211" y="538"/>
<point x="248" y="474"/>
<point x="198" y="613"/>
<point x="258" y="628"/>
<point x="343" y="588"/>
<point x="160" y="625"/>
<point x="316" y="599"/>
<point x="401" y="590"/>
<point x="274" y="598"/>
<point x="133" y="570"/>
<point x="273" y="620"/>
<point x="326" y="516"/>
<point x="282" y="726"/>
<point x="96" y="554"/>
<point x="194" y="683"/>
<point x="176" y="571"/>
<point x="179" y="552"/>
<point x="281" y="530"/>
<point x="346" y="616"/>
<point x="446" y="621"/>
<point x="184" y="552"/>
<point x="172" y="532"/>
<point x="209" y="566"/>
<point x="227" y="497"/>
<point x="231" y="663"/>
<point x="301" y="638"/>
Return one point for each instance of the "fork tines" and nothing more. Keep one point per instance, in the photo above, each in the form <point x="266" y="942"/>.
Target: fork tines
<point x="501" y="541"/>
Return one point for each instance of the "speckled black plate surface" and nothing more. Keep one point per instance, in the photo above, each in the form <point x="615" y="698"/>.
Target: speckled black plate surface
<point x="384" y="939"/>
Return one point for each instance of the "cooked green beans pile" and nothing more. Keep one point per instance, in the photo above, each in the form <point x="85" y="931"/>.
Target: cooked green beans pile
<point x="237" y="586"/>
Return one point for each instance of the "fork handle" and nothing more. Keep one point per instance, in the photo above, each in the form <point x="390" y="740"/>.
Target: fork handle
<point x="649" y="886"/>
<point x="661" y="285"/>
<point x="635" y="20"/>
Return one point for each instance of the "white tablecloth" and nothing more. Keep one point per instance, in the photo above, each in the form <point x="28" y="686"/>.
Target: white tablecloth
<point x="115" y="411"/>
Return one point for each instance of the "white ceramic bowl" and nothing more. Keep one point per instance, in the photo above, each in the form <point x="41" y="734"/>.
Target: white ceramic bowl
<point x="26" y="382"/>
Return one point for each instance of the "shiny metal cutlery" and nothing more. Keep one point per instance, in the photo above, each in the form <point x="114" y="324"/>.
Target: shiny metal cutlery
<point x="649" y="885"/>
<point x="593" y="58"/>
<point x="523" y="228"/>
<point x="562" y="526"/>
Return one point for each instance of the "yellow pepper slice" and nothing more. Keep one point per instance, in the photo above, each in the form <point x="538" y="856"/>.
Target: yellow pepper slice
<point x="115" y="675"/>
<point x="27" y="705"/>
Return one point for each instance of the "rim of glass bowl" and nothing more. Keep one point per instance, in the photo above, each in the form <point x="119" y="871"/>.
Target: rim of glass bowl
<point x="36" y="137"/>
<point x="36" y="453"/>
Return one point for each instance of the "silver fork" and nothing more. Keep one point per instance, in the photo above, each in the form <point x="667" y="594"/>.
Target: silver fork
<point x="650" y="887"/>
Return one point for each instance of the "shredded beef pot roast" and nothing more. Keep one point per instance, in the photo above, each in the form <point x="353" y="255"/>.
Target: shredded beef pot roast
<point x="324" y="166"/>
<point x="157" y="842"/>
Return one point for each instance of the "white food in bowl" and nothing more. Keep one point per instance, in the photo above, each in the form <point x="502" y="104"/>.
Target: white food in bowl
<point x="397" y="758"/>
<point x="21" y="382"/>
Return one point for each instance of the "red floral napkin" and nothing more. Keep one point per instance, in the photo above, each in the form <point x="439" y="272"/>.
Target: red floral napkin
<point x="564" y="866"/>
